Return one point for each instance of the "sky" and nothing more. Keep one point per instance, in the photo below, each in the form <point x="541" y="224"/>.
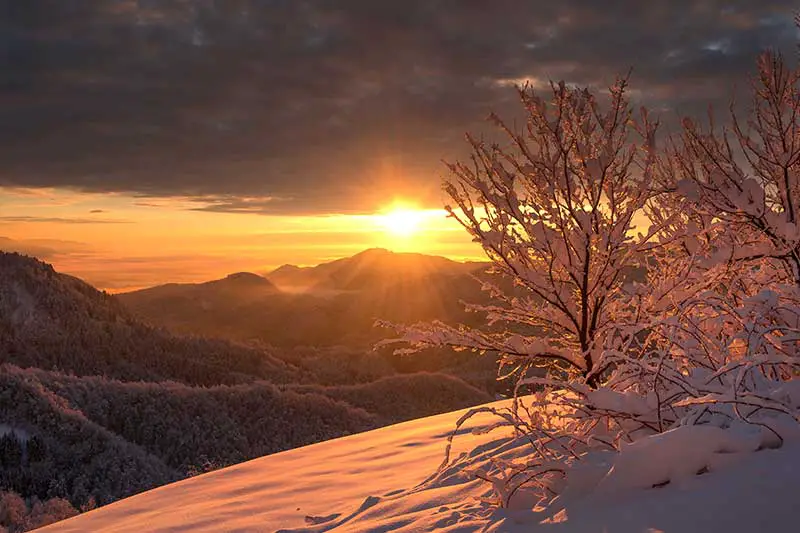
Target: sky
<point x="149" y="141"/>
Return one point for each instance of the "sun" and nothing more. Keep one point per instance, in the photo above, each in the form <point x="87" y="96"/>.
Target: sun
<point x="402" y="222"/>
<point x="404" y="226"/>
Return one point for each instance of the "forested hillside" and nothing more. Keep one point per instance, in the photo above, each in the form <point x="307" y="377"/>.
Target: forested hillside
<point x="54" y="321"/>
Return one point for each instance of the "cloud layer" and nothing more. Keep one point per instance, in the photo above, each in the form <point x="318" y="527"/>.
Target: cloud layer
<point x="317" y="106"/>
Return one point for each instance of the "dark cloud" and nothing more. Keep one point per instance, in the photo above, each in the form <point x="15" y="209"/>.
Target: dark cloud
<point x="297" y="105"/>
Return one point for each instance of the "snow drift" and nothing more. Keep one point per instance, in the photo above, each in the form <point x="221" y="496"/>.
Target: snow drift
<point x="387" y="480"/>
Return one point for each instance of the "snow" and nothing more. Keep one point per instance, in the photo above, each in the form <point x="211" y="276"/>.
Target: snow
<point x="386" y="480"/>
<point x="676" y="455"/>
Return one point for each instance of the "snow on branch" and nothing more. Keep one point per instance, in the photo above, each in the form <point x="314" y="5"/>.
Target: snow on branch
<point x="655" y="316"/>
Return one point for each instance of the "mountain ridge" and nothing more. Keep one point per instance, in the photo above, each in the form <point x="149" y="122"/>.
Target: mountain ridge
<point x="343" y="273"/>
<point x="334" y="303"/>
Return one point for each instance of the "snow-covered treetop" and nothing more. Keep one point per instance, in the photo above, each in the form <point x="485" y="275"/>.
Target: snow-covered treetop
<point x="556" y="209"/>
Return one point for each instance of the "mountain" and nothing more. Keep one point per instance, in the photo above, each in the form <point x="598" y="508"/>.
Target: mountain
<point x="387" y="480"/>
<point x="241" y="286"/>
<point x="331" y="304"/>
<point x="367" y="270"/>
<point x="55" y="321"/>
<point x="244" y="282"/>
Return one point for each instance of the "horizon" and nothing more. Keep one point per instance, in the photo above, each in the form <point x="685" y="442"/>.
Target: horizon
<point x="217" y="275"/>
<point x="130" y="250"/>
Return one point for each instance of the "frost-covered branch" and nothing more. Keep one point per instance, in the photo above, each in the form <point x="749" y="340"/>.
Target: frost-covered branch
<point x="556" y="210"/>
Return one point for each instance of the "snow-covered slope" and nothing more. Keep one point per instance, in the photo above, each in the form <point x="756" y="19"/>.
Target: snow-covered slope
<point x="381" y="481"/>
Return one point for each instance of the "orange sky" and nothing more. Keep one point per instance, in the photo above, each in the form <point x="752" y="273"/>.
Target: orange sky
<point x="119" y="242"/>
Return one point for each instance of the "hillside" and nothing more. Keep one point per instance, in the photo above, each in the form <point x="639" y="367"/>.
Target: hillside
<point x="55" y="321"/>
<point x="402" y="397"/>
<point x="381" y="481"/>
<point x="91" y="440"/>
<point x="77" y="459"/>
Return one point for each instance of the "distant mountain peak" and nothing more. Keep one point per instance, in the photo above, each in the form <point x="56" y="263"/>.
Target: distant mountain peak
<point x="367" y="269"/>
<point x="375" y="251"/>
<point x="286" y="268"/>
<point x="247" y="278"/>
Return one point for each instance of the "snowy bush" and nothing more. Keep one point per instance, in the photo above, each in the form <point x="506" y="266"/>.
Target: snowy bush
<point x="654" y="325"/>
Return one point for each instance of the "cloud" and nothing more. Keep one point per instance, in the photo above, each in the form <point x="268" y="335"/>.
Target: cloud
<point x="45" y="249"/>
<point x="301" y="100"/>
<point x="234" y="204"/>
<point x="309" y="205"/>
<point x="96" y="211"/>
<point x="62" y="220"/>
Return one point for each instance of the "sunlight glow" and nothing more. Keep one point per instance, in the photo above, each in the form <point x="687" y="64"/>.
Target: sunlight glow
<point x="402" y="221"/>
<point x="404" y="227"/>
<point x="117" y="242"/>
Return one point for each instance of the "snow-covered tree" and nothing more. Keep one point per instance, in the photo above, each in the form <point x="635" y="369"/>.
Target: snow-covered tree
<point x="747" y="176"/>
<point x="721" y="296"/>
<point x="693" y="356"/>
<point x="729" y="342"/>
<point x="558" y="209"/>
